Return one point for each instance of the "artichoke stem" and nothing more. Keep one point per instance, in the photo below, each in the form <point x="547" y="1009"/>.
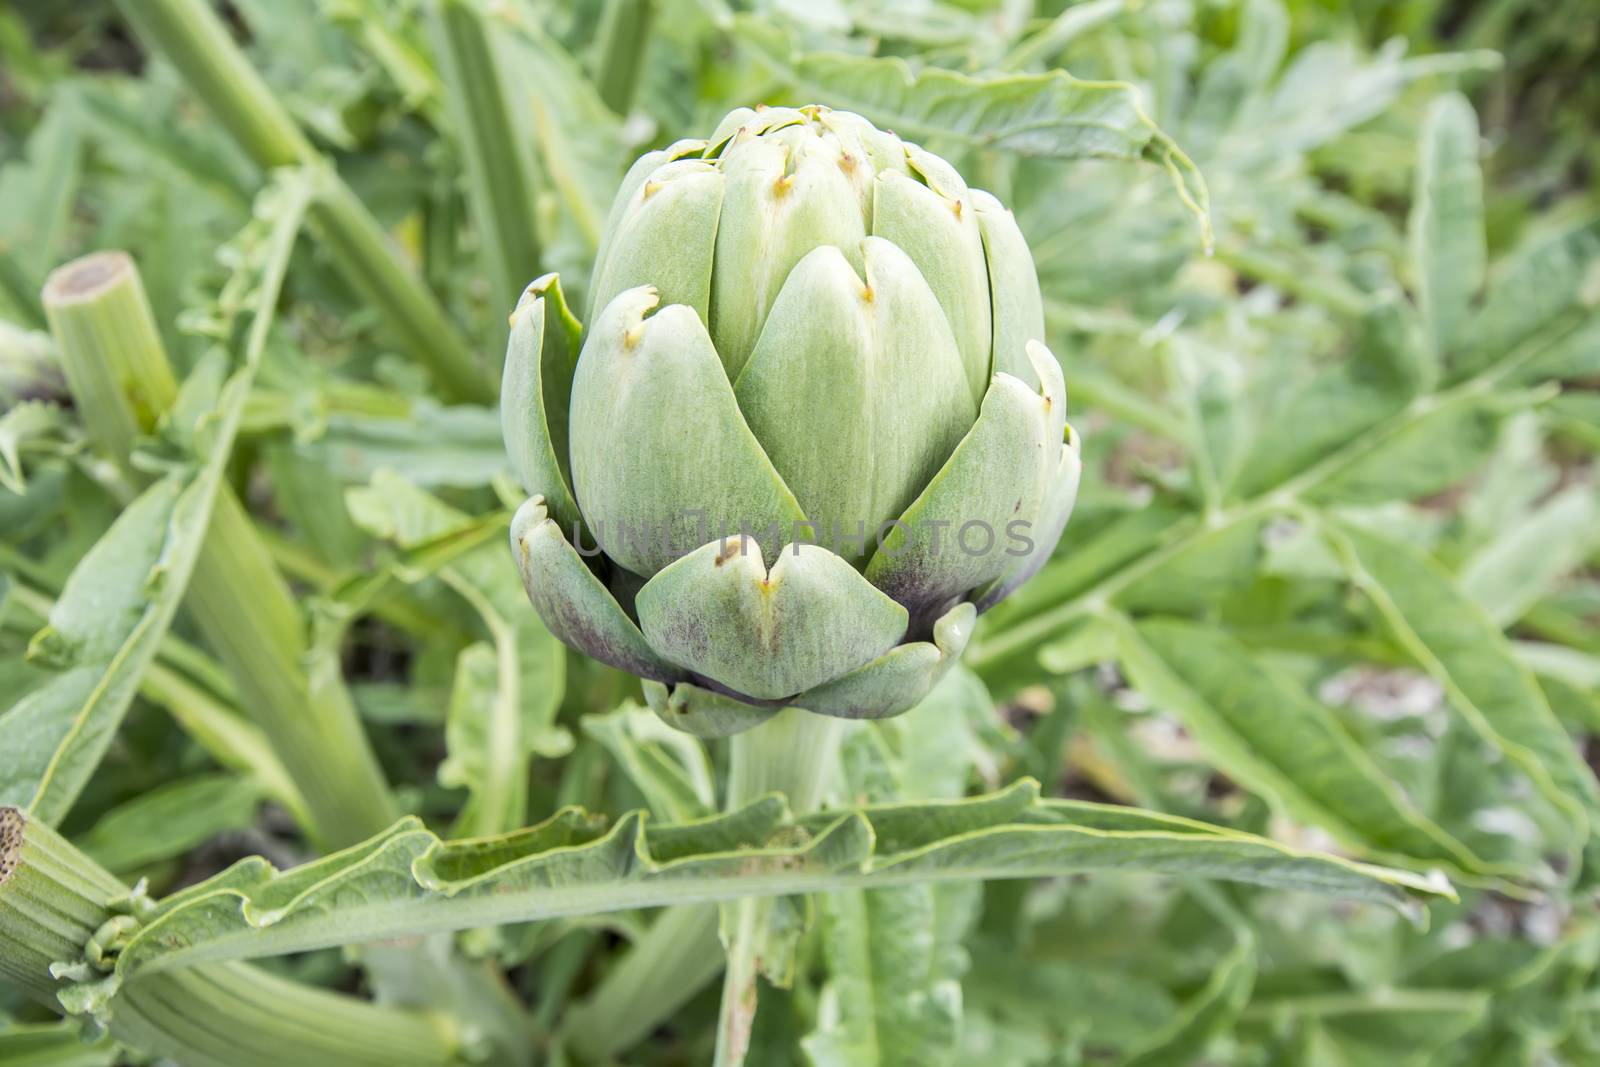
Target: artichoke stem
<point x="795" y="753"/>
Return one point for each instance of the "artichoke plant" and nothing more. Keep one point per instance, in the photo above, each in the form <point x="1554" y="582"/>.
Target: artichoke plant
<point x="811" y="431"/>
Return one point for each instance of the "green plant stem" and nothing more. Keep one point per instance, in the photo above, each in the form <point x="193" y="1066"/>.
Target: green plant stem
<point x="677" y="957"/>
<point x="54" y="901"/>
<point x="195" y="41"/>
<point x="121" y="381"/>
<point x="794" y="753"/>
<point x="497" y="150"/>
<point x="624" y="35"/>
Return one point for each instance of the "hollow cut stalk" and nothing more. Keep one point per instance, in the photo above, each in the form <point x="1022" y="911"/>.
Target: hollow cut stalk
<point x="54" y="901"/>
<point x="121" y="381"/>
<point x="195" y="41"/>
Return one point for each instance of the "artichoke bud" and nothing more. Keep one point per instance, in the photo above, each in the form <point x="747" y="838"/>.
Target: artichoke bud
<point x="812" y="430"/>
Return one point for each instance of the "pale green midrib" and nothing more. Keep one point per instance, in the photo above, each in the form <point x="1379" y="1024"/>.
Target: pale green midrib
<point x="438" y="913"/>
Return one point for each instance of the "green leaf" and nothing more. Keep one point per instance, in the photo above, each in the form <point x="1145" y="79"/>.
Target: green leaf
<point x="121" y="598"/>
<point x="170" y="820"/>
<point x="1212" y="1010"/>
<point x="1261" y="728"/>
<point x="1053" y="115"/>
<point x="407" y="881"/>
<point x="1390" y="1025"/>
<point x="495" y="146"/>
<point x="1454" y="641"/>
<point x="580" y="143"/>
<point x="1335" y="406"/>
<point x="435" y="446"/>
<point x="1448" y="258"/>
<point x="23" y="427"/>
<point x="506" y="694"/>
<point x="890" y="999"/>
<point x="38" y="191"/>
<point x="894" y="956"/>
<point x="1546" y="287"/>
<point x="1508" y="575"/>
<point x="668" y="766"/>
<point x="1423" y="455"/>
<point x="104" y="631"/>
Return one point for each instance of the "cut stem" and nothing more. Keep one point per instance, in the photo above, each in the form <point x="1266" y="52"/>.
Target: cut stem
<point x="121" y="381"/>
<point x="54" y="901"/>
<point x="195" y="41"/>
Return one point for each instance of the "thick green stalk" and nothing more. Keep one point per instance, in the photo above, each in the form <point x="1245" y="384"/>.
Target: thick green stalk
<point x="624" y="35"/>
<point x="496" y="150"/>
<point x="121" y="381"/>
<point x="195" y="41"/>
<point x="794" y="753"/>
<point x="677" y="957"/>
<point x="55" y="902"/>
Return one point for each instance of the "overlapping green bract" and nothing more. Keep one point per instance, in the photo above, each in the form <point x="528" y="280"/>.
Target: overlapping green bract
<point x="812" y="428"/>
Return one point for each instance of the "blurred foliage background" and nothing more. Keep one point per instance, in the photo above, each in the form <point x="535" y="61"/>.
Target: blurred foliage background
<point x="1332" y="577"/>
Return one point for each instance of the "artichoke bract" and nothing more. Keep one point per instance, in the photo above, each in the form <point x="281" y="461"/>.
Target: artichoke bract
<point x="811" y="430"/>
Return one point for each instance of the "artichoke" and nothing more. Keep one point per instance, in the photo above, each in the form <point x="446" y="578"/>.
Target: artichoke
<point x="811" y="433"/>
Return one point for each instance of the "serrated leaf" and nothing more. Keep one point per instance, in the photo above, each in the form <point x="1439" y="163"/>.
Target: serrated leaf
<point x="1454" y="641"/>
<point x="1053" y="115"/>
<point x="408" y="881"/>
<point x="1259" y="727"/>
